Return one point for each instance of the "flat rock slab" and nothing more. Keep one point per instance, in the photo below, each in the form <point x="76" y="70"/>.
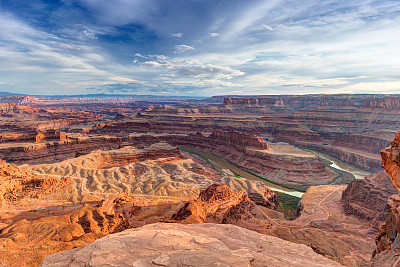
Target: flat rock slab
<point x="173" y="244"/>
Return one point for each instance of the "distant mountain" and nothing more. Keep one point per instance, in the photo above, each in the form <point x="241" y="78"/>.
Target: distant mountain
<point x="2" y="93"/>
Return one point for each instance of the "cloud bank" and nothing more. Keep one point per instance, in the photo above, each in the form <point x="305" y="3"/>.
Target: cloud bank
<point x="199" y="47"/>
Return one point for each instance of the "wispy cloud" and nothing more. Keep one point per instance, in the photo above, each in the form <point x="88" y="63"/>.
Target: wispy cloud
<point x="259" y="46"/>
<point x="267" y="27"/>
<point x="183" y="48"/>
<point x="177" y="35"/>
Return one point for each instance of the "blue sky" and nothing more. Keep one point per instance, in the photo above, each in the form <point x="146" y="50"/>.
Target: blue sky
<point x="199" y="47"/>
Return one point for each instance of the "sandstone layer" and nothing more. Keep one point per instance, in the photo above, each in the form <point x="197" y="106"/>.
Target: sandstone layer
<point x="366" y="198"/>
<point x="190" y="245"/>
<point x="289" y="167"/>
<point x="387" y="251"/>
<point x="154" y="170"/>
<point x="26" y="243"/>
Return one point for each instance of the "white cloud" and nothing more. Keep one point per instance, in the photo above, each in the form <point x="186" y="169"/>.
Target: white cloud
<point x="214" y="34"/>
<point x="67" y="46"/>
<point x="177" y="35"/>
<point x="89" y="34"/>
<point x="185" y="73"/>
<point x="183" y="48"/>
<point x="150" y="64"/>
<point x="267" y="27"/>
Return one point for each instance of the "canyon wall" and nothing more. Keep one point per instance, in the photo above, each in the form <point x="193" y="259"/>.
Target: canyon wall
<point x="390" y="103"/>
<point x="349" y="102"/>
<point x="245" y="150"/>
<point x="239" y="140"/>
<point x="367" y="198"/>
<point x="387" y="251"/>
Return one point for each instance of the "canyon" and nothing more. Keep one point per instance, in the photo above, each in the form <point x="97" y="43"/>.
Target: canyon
<point x="82" y="174"/>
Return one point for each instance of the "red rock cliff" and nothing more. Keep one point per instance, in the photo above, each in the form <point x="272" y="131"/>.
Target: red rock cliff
<point x="390" y="103"/>
<point x="240" y="139"/>
<point x="388" y="238"/>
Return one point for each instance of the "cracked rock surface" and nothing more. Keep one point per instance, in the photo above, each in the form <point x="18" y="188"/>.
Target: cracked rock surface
<point x="163" y="244"/>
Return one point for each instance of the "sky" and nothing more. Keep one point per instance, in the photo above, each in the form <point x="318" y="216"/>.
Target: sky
<point x="199" y="47"/>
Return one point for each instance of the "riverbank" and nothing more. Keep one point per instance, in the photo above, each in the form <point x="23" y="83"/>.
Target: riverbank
<point x="359" y="173"/>
<point x="223" y="165"/>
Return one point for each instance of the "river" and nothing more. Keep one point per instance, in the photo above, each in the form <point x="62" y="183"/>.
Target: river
<point x="343" y="166"/>
<point x="228" y="168"/>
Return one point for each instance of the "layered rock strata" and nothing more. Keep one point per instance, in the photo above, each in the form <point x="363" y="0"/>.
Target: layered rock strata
<point x="239" y="140"/>
<point x="387" y="251"/>
<point x="26" y="243"/>
<point x="16" y="184"/>
<point x="367" y="198"/>
<point x="293" y="167"/>
<point x="219" y="204"/>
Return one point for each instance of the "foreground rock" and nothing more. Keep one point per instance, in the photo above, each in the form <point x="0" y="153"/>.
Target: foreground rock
<point x="387" y="251"/>
<point x="322" y="225"/>
<point x="189" y="245"/>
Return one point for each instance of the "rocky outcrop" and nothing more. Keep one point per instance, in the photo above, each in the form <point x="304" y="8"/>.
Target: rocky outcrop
<point x="190" y="245"/>
<point x="367" y="198"/>
<point x="213" y="205"/>
<point x="391" y="161"/>
<point x="16" y="184"/>
<point x="239" y="140"/>
<point x="7" y="108"/>
<point x="29" y="242"/>
<point x="50" y="135"/>
<point x="387" y="251"/>
<point x="267" y="198"/>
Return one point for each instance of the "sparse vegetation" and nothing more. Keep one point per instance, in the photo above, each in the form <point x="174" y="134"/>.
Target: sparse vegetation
<point x="295" y="188"/>
<point x="197" y="154"/>
<point x="288" y="205"/>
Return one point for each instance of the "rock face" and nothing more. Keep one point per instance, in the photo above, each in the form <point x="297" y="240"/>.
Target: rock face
<point x="16" y="184"/>
<point x="387" y="103"/>
<point x="31" y="241"/>
<point x="298" y="102"/>
<point x="239" y="139"/>
<point x="8" y="109"/>
<point x="387" y="251"/>
<point x="391" y="161"/>
<point x="50" y="135"/>
<point x="267" y="198"/>
<point x="366" y="198"/>
<point x="189" y="245"/>
<point x="215" y="205"/>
